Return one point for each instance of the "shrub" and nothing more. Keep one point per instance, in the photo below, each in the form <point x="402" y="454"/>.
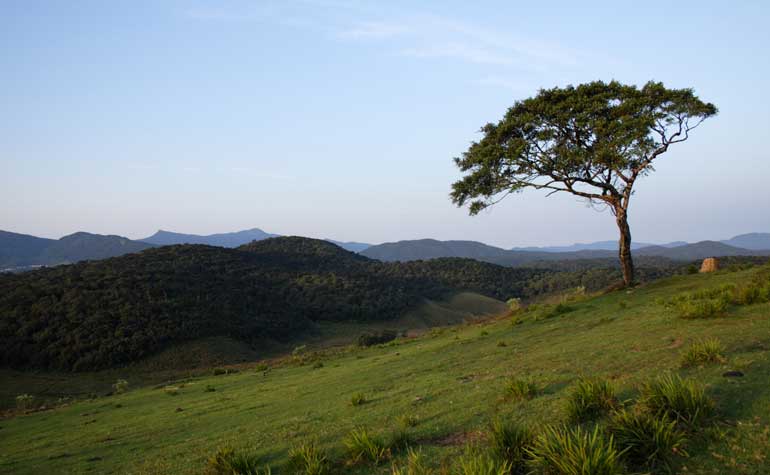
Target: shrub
<point x="227" y="461"/>
<point x="318" y="365"/>
<point x="514" y="304"/>
<point x="415" y="465"/>
<point x="683" y="401"/>
<point x="262" y="367"/>
<point x="647" y="441"/>
<point x="25" y="401"/>
<point x="574" y="451"/>
<point x="376" y="338"/>
<point x="478" y="463"/>
<point x="358" y="399"/>
<point x="590" y="398"/>
<point x="120" y="386"/>
<point x="361" y="446"/>
<point x="209" y="388"/>
<point x="509" y="441"/>
<point x="521" y="388"/>
<point x="219" y="371"/>
<point x="171" y="390"/>
<point x="703" y="352"/>
<point x="308" y="459"/>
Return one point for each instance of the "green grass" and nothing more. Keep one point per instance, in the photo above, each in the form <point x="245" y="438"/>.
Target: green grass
<point x="575" y="451"/>
<point x="449" y="381"/>
<point x="703" y="352"/>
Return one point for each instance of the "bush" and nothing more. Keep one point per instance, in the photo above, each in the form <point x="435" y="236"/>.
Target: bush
<point x="574" y="451"/>
<point x="509" y="441"/>
<point x="120" y="386"/>
<point x="477" y="463"/>
<point x="589" y="399"/>
<point x="363" y="447"/>
<point x="25" y="402"/>
<point x="171" y="390"/>
<point x="318" y="365"/>
<point x="229" y="462"/>
<point x="209" y="388"/>
<point x="358" y="399"/>
<point x="703" y="352"/>
<point x="521" y="389"/>
<point x="647" y="441"/>
<point x="415" y="465"/>
<point x="308" y="459"/>
<point x="683" y="401"/>
<point x="376" y="338"/>
<point x="262" y="367"/>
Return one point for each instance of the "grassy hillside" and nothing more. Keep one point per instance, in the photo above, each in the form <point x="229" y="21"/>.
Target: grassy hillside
<point x="451" y="382"/>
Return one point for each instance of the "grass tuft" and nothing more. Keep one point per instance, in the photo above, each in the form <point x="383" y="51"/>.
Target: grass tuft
<point x="574" y="451"/>
<point x="308" y="459"/>
<point x="474" y="462"/>
<point x="415" y="465"/>
<point x="364" y="447"/>
<point x="703" y="352"/>
<point x="683" y="401"/>
<point x="521" y="389"/>
<point x="647" y="441"/>
<point x="227" y="461"/>
<point x="509" y="441"/>
<point x="358" y="399"/>
<point x="590" y="399"/>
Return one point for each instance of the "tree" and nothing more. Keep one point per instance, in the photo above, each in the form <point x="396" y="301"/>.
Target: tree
<point x="594" y="141"/>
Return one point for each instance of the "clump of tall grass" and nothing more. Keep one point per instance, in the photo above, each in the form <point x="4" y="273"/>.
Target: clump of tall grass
<point x="363" y="447"/>
<point x="575" y="451"/>
<point x="521" y="389"/>
<point x="591" y="398"/>
<point x="703" y="352"/>
<point x="308" y="459"/>
<point x="415" y="465"/>
<point x="509" y="441"/>
<point x="684" y="401"/>
<point x="405" y="421"/>
<point x="475" y="462"/>
<point x="648" y="441"/>
<point x="400" y="439"/>
<point x="226" y="461"/>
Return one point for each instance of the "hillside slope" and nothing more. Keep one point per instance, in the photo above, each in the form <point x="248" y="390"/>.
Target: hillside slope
<point x="111" y="312"/>
<point x="451" y="382"/>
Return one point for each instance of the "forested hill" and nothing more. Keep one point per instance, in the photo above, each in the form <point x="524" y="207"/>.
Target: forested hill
<point x="105" y="313"/>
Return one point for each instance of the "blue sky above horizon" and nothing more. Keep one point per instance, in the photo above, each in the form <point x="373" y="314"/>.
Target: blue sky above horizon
<point x="339" y="119"/>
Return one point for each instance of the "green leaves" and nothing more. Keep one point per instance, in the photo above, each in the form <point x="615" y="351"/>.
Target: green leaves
<point x="592" y="140"/>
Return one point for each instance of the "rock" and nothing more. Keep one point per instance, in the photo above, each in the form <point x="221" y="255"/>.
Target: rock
<point x="733" y="374"/>
<point x="710" y="264"/>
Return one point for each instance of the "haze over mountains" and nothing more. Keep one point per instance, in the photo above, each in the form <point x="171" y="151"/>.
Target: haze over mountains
<point x="24" y="251"/>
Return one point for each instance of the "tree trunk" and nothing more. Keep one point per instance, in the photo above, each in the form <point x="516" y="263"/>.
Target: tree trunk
<point x="624" y="247"/>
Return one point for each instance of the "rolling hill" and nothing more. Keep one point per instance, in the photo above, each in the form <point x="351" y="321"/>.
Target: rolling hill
<point x="430" y="249"/>
<point x="449" y="385"/>
<point x="104" y="313"/>
<point x="234" y="239"/>
<point x="21" y="250"/>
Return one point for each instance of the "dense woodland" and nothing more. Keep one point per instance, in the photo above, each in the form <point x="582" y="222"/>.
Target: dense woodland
<point x="111" y="312"/>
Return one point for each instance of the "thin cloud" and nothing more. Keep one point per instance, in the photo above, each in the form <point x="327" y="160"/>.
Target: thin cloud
<point x="373" y="30"/>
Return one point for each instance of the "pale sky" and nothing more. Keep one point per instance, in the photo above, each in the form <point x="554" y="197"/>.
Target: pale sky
<point x="339" y="119"/>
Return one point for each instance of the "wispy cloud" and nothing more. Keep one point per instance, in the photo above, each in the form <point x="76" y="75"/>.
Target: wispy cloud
<point x="373" y="30"/>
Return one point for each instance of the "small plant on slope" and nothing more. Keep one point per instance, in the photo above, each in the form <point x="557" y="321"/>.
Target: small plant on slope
<point x="415" y="465"/>
<point x="364" y="447"/>
<point x="521" y="389"/>
<point x="358" y="399"/>
<point x="574" y="451"/>
<point x="647" y="441"/>
<point x="589" y="399"/>
<point x="509" y="441"/>
<point x="703" y="352"/>
<point x="308" y="459"/>
<point x="227" y="461"/>
<point x="120" y="386"/>
<point x="683" y="401"/>
<point x="474" y="462"/>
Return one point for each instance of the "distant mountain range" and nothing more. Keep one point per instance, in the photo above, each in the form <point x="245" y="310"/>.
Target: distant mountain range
<point x="430" y="249"/>
<point x="23" y="251"/>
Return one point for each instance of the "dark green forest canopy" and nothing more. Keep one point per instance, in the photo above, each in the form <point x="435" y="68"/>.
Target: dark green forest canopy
<point x="111" y="312"/>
